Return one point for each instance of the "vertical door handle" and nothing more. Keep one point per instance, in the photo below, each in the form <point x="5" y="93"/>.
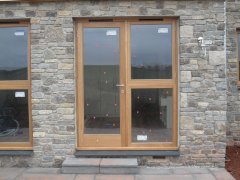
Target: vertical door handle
<point x="120" y="85"/>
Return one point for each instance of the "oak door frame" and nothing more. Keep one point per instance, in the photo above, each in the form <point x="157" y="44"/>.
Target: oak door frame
<point x="154" y="83"/>
<point x="131" y="84"/>
<point x="104" y="141"/>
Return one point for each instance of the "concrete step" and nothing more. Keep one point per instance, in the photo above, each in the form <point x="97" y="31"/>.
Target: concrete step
<point x="119" y="166"/>
<point x="100" y="166"/>
<point x="81" y="166"/>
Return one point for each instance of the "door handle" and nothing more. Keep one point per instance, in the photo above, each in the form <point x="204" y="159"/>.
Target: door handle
<point x="120" y="85"/>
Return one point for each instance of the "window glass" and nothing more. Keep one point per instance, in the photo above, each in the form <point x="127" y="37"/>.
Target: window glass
<point x="152" y="115"/>
<point x="239" y="55"/>
<point x="101" y="75"/>
<point x="14" y="117"/>
<point x="14" y="53"/>
<point x="151" y="51"/>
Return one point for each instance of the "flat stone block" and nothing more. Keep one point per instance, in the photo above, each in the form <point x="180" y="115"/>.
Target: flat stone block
<point x="80" y="170"/>
<point x="217" y="57"/>
<point x="126" y="153"/>
<point x="119" y="166"/>
<point x="180" y="171"/>
<point x="203" y="176"/>
<point x="119" y="162"/>
<point x="186" y="31"/>
<point x="163" y="177"/>
<point x="47" y="177"/>
<point x="116" y="177"/>
<point x="190" y="170"/>
<point x="118" y="170"/>
<point x="42" y="170"/>
<point x="16" y="153"/>
<point x="10" y="173"/>
<point x="221" y="174"/>
<point x="81" y="162"/>
<point x="81" y="166"/>
<point x="85" y="177"/>
<point x="198" y="170"/>
<point x="154" y="170"/>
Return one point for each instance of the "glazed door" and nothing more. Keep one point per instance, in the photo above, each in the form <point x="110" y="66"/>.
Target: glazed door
<point x="102" y="96"/>
<point x="127" y="84"/>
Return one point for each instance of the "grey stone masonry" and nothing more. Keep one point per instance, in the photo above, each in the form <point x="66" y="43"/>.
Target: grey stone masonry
<point x="202" y="76"/>
<point x="233" y="108"/>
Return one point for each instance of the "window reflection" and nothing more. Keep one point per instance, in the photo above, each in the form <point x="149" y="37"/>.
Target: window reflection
<point x="14" y="53"/>
<point x="239" y="53"/>
<point x="151" y="51"/>
<point x="14" y="124"/>
<point x="101" y="74"/>
<point x="152" y="115"/>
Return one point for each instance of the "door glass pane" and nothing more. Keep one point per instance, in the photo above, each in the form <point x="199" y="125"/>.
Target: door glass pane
<point x="14" y="118"/>
<point x="14" y="53"/>
<point x="152" y="115"/>
<point x="151" y="51"/>
<point x="101" y="74"/>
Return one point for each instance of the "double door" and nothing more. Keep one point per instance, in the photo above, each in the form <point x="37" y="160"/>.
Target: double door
<point x="126" y="84"/>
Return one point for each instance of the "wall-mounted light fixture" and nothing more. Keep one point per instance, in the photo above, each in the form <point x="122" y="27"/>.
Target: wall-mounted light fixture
<point x="203" y="44"/>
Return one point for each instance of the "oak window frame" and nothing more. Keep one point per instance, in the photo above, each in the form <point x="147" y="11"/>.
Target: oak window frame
<point x="238" y="56"/>
<point x="20" y="85"/>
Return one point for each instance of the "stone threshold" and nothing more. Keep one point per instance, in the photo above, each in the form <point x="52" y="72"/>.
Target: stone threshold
<point x="125" y="153"/>
<point x="16" y="152"/>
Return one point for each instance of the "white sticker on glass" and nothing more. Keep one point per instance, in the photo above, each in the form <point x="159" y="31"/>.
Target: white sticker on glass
<point x="162" y="30"/>
<point x="142" y="137"/>
<point x="19" y="33"/>
<point x="111" y="33"/>
<point x="19" y="94"/>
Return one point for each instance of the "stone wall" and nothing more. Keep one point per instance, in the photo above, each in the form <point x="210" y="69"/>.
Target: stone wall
<point x="202" y="78"/>
<point x="233" y="115"/>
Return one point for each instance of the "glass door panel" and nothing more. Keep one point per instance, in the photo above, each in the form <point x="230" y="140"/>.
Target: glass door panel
<point x="152" y="115"/>
<point x="151" y="85"/>
<point x="151" y="51"/>
<point x="101" y="58"/>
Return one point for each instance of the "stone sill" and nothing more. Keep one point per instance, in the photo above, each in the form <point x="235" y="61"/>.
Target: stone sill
<point x="16" y="152"/>
<point x="97" y="153"/>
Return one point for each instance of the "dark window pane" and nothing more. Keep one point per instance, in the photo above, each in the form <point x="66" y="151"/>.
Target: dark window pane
<point x="152" y="115"/>
<point x="239" y="53"/>
<point x="14" y="118"/>
<point x="14" y="53"/>
<point x="101" y="74"/>
<point x="151" y="51"/>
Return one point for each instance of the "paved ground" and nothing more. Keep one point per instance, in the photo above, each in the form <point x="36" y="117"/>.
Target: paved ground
<point x="145" y="173"/>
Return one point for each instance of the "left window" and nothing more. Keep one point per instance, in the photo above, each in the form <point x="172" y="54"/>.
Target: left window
<point x="238" y="50"/>
<point x="15" y="87"/>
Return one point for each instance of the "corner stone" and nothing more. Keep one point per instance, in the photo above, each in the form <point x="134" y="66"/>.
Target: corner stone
<point x="186" y="76"/>
<point x="217" y="57"/>
<point x="187" y="122"/>
<point x="186" y="31"/>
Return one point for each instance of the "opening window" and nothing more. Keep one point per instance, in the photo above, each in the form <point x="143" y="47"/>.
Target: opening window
<point x="238" y="50"/>
<point x="15" y="91"/>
